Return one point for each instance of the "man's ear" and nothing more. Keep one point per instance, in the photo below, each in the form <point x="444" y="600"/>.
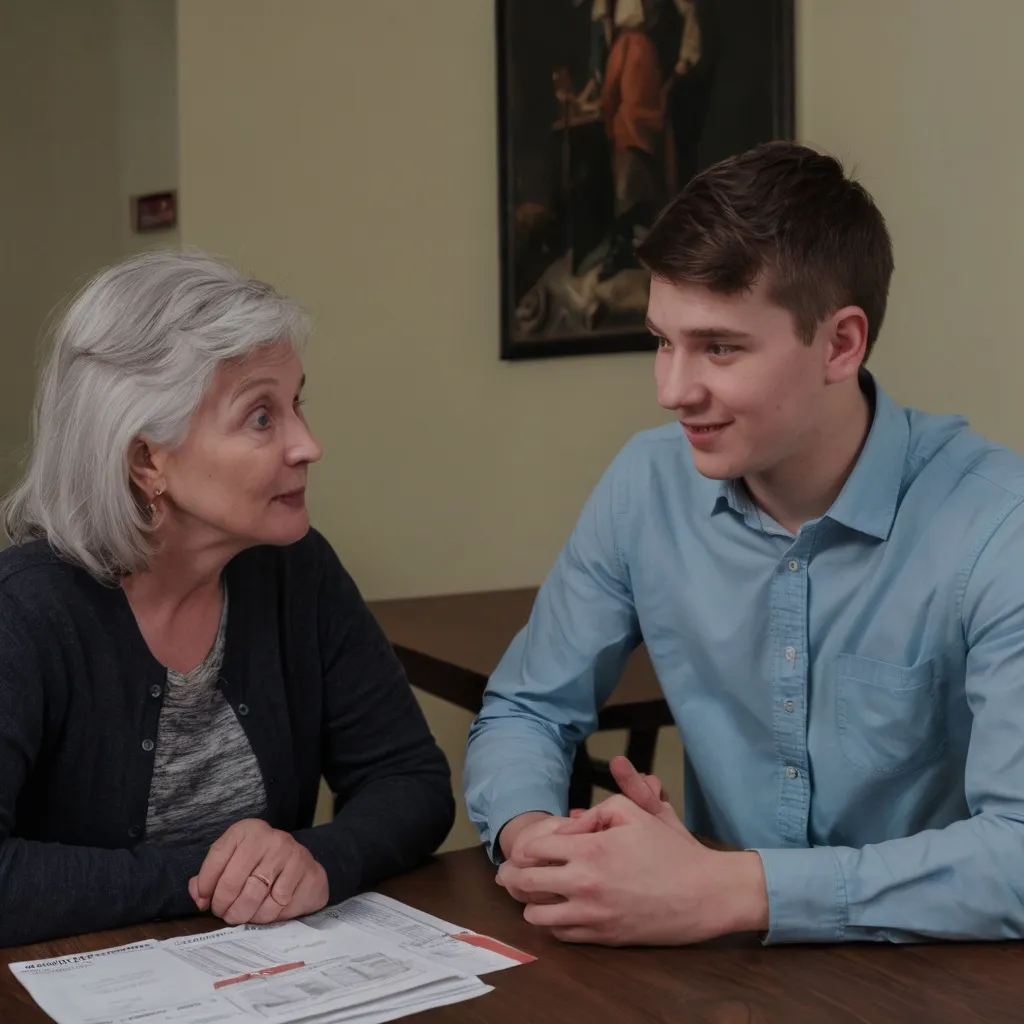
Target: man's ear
<point x="847" y="337"/>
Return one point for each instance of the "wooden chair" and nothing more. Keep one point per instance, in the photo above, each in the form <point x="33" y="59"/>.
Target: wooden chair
<point x="450" y="645"/>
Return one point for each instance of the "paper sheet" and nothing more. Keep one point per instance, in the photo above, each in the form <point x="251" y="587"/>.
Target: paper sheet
<point x="368" y="960"/>
<point x="441" y="943"/>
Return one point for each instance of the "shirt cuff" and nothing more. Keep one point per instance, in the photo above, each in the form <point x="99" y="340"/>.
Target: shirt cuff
<point x="511" y="805"/>
<point x="806" y="895"/>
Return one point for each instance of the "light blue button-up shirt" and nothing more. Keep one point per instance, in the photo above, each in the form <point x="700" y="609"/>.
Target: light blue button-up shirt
<point x="850" y="699"/>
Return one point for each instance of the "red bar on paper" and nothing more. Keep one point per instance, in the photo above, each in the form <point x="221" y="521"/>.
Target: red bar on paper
<point x="257" y="974"/>
<point x="486" y="942"/>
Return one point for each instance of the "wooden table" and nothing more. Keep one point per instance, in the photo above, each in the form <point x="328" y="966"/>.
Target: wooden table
<point x="451" y="644"/>
<point x="729" y="982"/>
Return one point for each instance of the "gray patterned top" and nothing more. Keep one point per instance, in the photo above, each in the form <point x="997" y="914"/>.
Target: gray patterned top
<point x="205" y="775"/>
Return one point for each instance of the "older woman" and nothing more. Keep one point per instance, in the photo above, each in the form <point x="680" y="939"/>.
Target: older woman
<point x="181" y="656"/>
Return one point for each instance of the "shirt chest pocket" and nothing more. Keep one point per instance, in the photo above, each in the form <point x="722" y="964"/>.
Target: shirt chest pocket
<point x="891" y="718"/>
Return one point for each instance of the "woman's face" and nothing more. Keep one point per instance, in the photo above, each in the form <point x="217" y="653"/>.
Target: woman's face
<point x="240" y="476"/>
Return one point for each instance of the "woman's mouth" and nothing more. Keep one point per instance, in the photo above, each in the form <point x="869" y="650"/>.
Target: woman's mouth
<point x="293" y="499"/>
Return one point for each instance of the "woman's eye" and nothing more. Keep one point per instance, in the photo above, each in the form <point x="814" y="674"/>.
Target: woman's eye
<point x="260" y="419"/>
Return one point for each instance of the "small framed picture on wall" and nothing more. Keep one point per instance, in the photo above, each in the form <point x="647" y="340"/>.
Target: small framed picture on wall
<point x="606" y="108"/>
<point x="157" y="211"/>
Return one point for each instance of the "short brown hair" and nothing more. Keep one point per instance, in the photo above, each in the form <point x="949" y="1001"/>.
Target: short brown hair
<point x="782" y="210"/>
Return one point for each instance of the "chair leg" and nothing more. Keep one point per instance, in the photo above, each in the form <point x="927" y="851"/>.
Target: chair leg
<point x="581" y="783"/>
<point x="640" y="749"/>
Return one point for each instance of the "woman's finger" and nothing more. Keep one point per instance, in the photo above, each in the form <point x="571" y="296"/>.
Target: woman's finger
<point x="216" y="860"/>
<point x="268" y="912"/>
<point x="237" y="875"/>
<point x="255" y="892"/>
<point x="291" y="874"/>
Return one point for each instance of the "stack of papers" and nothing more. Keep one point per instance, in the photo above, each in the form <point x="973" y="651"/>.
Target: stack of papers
<point x="367" y="960"/>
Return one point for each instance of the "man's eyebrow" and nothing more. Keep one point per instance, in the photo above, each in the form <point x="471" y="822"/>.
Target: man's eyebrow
<point x="714" y="333"/>
<point x="698" y="333"/>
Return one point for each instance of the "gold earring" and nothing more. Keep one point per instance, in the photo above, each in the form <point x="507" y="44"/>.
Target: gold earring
<point x="151" y="507"/>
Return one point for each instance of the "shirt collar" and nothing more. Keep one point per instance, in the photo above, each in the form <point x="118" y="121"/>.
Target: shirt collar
<point x="729" y="494"/>
<point x="871" y="494"/>
<point x="868" y="500"/>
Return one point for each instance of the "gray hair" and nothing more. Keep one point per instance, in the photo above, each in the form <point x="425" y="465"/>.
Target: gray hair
<point x="131" y="357"/>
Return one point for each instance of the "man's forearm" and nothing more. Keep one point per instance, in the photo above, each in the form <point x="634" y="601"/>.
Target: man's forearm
<point x="513" y="766"/>
<point x="964" y="882"/>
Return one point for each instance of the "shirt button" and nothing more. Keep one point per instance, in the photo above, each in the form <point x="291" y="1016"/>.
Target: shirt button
<point x="791" y="772"/>
<point x="155" y="691"/>
<point x="147" y="745"/>
<point x="790" y="653"/>
<point x="243" y="709"/>
<point x="134" y="832"/>
<point x="794" y="565"/>
<point x="789" y="707"/>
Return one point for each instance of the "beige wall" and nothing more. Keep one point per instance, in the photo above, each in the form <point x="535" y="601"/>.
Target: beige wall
<point x="147" y="112"/>
<point x="58" y="173"/>
<point x="347" y="152"/>
<point x="923" y="97"/>
<point x="87" y="116"/>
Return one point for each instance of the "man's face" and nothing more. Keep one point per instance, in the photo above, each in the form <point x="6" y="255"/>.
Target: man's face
<point x="749" y="393"/>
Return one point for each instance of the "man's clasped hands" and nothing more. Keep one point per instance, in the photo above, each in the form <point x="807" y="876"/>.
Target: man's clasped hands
<point x="629" y="872"/>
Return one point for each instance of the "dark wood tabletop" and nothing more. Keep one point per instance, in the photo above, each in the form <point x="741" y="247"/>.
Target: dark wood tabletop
<point x="472" y="631"/>
<point x="729" y="982"/>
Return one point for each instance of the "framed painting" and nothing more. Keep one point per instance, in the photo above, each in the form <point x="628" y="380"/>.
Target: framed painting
<point x="155" y="212"/>
<point x="606" y="108"/>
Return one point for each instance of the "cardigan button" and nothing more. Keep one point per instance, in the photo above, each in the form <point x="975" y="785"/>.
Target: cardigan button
<point x="155" y="691"/>
<point x="135" y="832"/>
<point x="147" y="745"/>
<point x="243" y="709"/>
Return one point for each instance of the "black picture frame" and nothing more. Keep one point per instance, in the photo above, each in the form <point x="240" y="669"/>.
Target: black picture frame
<point x="557" y="186"/>
<point x="157" y="211"/>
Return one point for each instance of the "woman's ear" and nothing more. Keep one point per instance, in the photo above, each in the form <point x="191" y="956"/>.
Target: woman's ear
<point x="144" y="470"/>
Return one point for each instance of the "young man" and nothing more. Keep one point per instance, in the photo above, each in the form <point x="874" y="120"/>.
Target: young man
<point x="831" y="589"/>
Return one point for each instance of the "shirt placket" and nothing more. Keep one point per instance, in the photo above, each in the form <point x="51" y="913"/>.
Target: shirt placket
<point x="791" y="659"/>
